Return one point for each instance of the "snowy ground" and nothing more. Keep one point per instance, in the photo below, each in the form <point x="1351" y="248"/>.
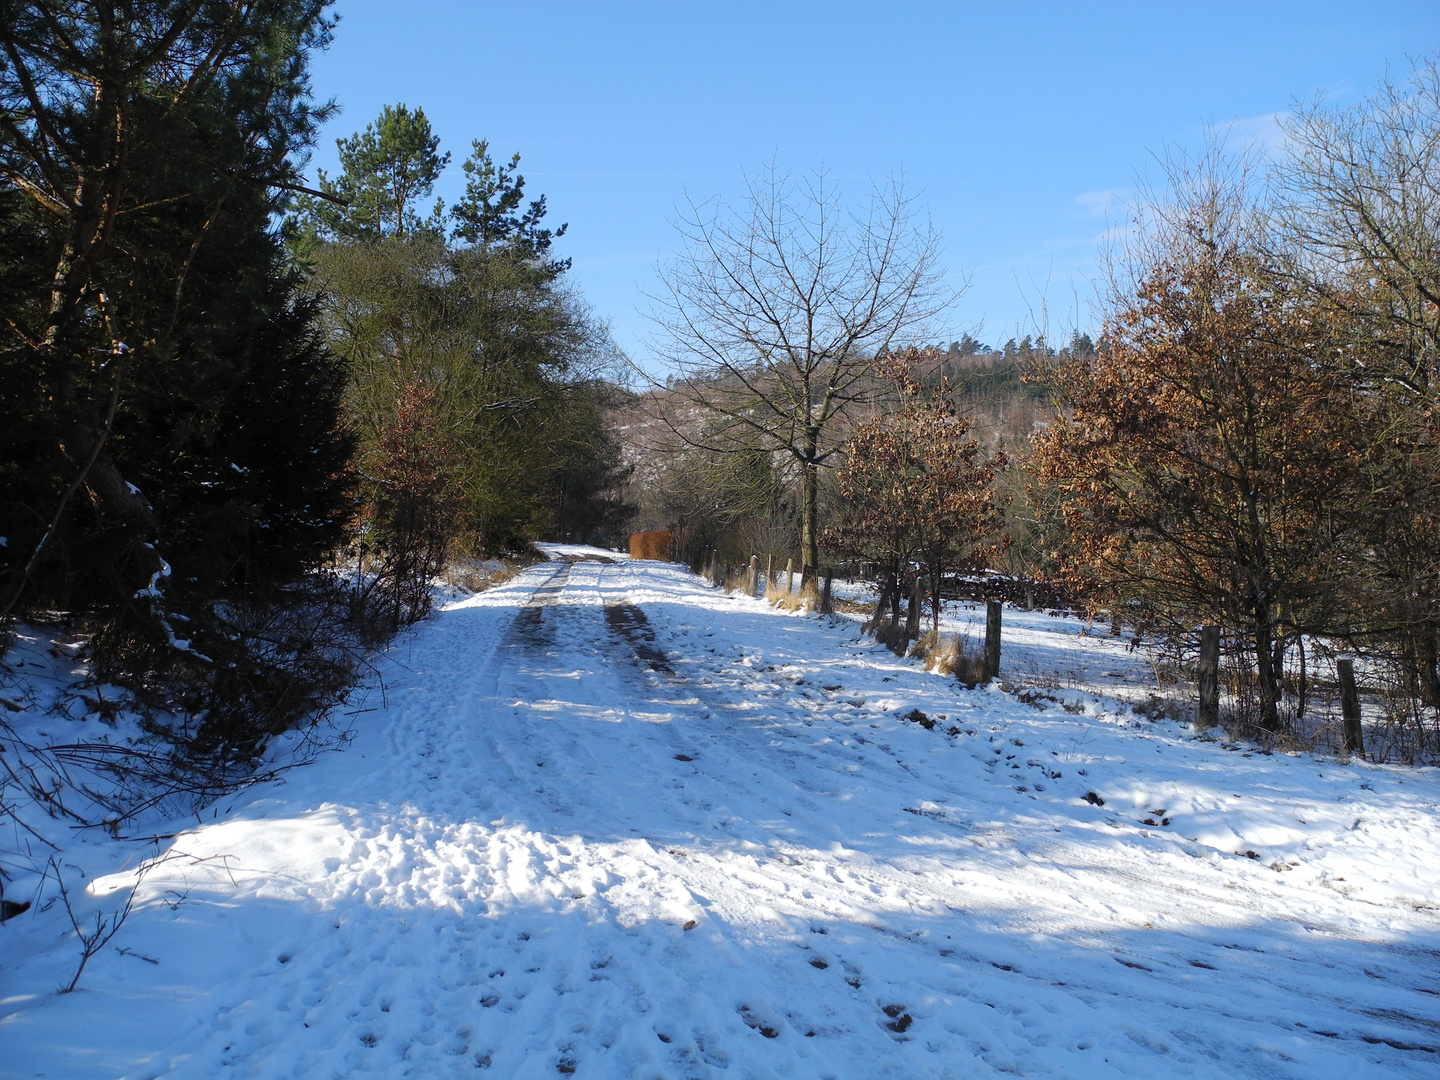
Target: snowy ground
<point x="611" y="823"/>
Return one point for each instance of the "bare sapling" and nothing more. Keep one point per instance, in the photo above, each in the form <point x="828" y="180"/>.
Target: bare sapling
<point x="96" y="932"/>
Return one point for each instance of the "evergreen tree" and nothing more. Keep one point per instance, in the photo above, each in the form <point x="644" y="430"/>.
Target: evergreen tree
<point x="151" y="354"/>
<point x="387" y="170"/>
<point x="488" y="216"/>
<point x="481" y="322"/>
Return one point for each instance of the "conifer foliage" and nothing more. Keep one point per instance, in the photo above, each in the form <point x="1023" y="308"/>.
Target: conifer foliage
<point x="171" y="436"/>
<point x="386" y="170"/>
<point x="478" y="325"/>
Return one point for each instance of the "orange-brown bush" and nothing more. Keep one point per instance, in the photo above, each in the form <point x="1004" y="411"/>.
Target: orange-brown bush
<point x="651" y="545"/>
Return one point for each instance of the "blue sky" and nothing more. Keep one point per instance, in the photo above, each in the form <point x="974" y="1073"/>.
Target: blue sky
<point x="1021" y="126"/>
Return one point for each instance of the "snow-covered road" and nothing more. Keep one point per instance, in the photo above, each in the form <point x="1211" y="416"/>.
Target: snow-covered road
<point x="611" y="823"/>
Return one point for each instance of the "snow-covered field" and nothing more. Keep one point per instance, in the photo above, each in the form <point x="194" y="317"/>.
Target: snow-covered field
<point x="611" y="823"/>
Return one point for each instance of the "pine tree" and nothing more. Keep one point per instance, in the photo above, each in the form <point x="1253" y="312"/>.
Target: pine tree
<point x="167" y="321"/>
<point x="387" y="170"/>
<point x="488" y="215"/>
<point x="481" y="319"/>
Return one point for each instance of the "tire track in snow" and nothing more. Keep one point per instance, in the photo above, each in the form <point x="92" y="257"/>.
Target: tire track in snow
<point x="727" y="883"/>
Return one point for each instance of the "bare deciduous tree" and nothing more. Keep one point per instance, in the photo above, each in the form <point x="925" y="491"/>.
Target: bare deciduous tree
<point x="1360" y="207"/>
<point x="772" y="314"/>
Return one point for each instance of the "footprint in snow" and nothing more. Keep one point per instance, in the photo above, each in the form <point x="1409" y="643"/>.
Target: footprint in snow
<point x="900" y="1020"/>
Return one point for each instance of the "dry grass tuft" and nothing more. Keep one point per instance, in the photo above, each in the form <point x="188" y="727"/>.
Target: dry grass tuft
<point x="1163" y="707"/>
<point x="959" y="656"/>
<point x="474" y="576"/>
<point x="803" y="598"/>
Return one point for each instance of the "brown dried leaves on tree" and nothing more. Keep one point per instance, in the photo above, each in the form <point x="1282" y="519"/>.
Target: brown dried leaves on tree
<point x="414" y="498"/>
<point x="916" y="487"/>
<point x="1204" y="451"/>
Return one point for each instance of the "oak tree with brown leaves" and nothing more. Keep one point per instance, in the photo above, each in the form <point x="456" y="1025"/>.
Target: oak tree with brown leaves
<point x="1206" y="451"/>
<point x="917" y="488"/>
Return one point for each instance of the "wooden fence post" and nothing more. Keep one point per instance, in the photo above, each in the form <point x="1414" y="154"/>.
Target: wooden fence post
<point x="1350" y="707"/>
<point x="992" y="639"/>
<point x="753" y="575"/>
<point x="789" y="576"/>
<point x="1209" y="677"/>
<point x="827" y="606"/>
<point x="769" y="571"/>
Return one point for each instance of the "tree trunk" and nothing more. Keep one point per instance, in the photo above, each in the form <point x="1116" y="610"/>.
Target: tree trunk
<point x="882" y="601"/>
<point x="1350" y="707"/>
<point x="1424" y="665"/>
<point x="1266" y="675"/>
<point x="1208" y="714"/>
<point x="992" y="639"/>
<point x="912" y="613"/>
<point x="1259" y="599"/>
<point x="809" y="514"/>
<point x="1302" y="685"/>
<point x="935" y="598"/>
